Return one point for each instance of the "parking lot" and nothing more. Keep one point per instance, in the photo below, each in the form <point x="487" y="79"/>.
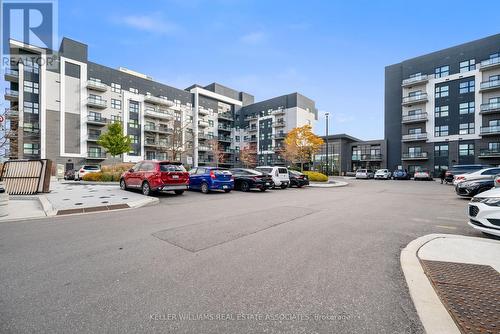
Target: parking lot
<point x="312" y="260"/>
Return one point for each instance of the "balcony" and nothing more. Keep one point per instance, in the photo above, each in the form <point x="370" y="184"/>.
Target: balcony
<point x="150" y="142"/>
<point x="489" y="153"/>
<point x="204" y="136"/>
<point x="96" y="103"/>
<point x="490" y="130"/>
<point x="11" y="94"/>
<point x="252" y="129"/>
<point x="97" y="120"/>
<point x="204" y="148"/>
<point x="489" y="108"/>
<point x="251" y="118"/>
<point x="11" y="75"/>
<point x="203" y="112"/>
<point x="205" y="160"/>
<point x="418" y="117"/>
<point x="96" y="155"/>
<point x="96" y="85"/>
<point x="489" y="64"/>
<point x="225" y="115"/>
<point x="370" y="157"/>
<point x="416" y="80"/>
<point x="414" y="137"/>
<point x="489" y="85"/>
<point x="224" y="128"/>
<point x="93" y="137"/>
<point x="11" y="113"/>
<point x="414" y="156"/>
<point x="203" y="124"/>
<point x="278" y="112"/>
<point x="225" y="139"/>
<point x="158" y="113"/>
<point x="158" y="100"/>
<point x="157" y="129"/>
<point x="414" y="99"/>
<point x="279" y="136"/>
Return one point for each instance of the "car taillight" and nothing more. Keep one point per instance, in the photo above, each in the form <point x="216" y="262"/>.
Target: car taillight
<point x="498" y="180"/>
<point x="82" y="170"/>
<point x="212" y="174"/>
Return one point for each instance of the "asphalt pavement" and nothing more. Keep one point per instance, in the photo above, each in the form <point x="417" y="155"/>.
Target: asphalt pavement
<point x="284" y="261"/>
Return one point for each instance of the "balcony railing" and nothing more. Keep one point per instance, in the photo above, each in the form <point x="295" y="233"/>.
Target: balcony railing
<point x="279" y="112"/>
<point x="224" y="127"/>
<point x="252" y="129"/>
<point x="225" y="138"/>
<point x="489" y="63"/>
<point x="11" y="75"/>
<point x="370" y="157"/>
<point x="202" y="111"/>
<point x="11" y="112"/>
<point x="151" y="142"/>
<point x="225" y="115"/>
<point x="96" y="85"/>
<point x="158" y="100"/>
<point x="422" y="116"/>
<point x="203" y="124"/>
<point x="97" y="120"/>
<point x="96" y="102"/>
<point x="414" y="155"/>
<point x="11" y="94"/>
<point x="490" y="130"/>
<point x="490" y="107"/>
<point x="416" y="80"/>
<point x="203" y="148"/>
<point x="279" y="136"/>
<point x="491" y="84"/>
<point x="158" y="113"/>
<point x="485" y="153"/>
<point x="251" y="118"/>
<point x="155" y="128"/>
<point x="93" y="137"/>
<point x="98" y="155"/>
<point x="415" y="98"/>
<point x="415" y="136"/>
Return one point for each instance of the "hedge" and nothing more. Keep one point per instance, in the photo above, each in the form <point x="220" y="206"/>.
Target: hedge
<point x="316" y="176"/>
<point x="102" y="177"/>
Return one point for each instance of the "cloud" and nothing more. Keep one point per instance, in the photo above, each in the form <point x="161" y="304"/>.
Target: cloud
<point x="149" y="23"/>
<point x="253" y="38"/>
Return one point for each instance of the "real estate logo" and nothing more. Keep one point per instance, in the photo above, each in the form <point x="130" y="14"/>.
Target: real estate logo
<point x="29" y="22"/>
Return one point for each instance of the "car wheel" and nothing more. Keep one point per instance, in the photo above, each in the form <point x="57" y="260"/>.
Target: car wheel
<point x="263" y="189"/>
<point x="146" y="189"/>
<point x="299" y="185"/>
<point x="179" y="192"/>
<point x="227" y="190"/>
<point x="123" y="185"/>
<point x="245" y="186"/>
<point x="204" y="188"/>
<point x="284" y="186"/>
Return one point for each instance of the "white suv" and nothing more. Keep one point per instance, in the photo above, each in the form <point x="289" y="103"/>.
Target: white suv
<point x="279" y="175"/>
<point x="85" y="169"/>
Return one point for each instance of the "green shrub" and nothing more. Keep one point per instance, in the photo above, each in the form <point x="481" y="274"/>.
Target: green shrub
<point x="103" y="177"/>
<point x="316" y="176"/>
<point x="118" y="168"/>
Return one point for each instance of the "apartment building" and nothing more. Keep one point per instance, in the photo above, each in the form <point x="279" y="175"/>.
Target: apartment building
<point x="443" y="108"/>
<point x="60" y="103"/>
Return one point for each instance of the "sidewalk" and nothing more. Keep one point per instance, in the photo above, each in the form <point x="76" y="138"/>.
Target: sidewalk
<point x="454" y="282"/>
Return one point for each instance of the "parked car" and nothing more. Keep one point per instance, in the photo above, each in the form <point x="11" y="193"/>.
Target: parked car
<point x="246" y="179"/>
<point x="69" y="174"/>
<point x="484" y="212"/>
<point x="298" y="179"/>
<point x="85" y="169"/>
<point x="422" y="174"/>
<point x="364" y="174"/>
<point x="486" y="173"/>
<point x="383" y="174"/>
<point x="207" y="179"/>
<point x="400" y="174"/>
<point x="156" y="176"/>
<point x="474" y="187"/>
<point x="279" y="175"/>
<point x="496" y="181"/>
<point x="462" y="169"/>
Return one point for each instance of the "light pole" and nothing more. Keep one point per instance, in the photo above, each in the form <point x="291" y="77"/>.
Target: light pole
<point x="327" y="164"/>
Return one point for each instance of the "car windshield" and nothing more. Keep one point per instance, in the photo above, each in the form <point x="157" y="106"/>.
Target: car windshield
<point x="361" y="170"/>
<point x="265" y="169"/>
<point x="382" y="171"/>
<point x="172" y="168"/>
<point x="252" y="171"/>
<point x="282" y="170"/>
<point x="91" y="167"/>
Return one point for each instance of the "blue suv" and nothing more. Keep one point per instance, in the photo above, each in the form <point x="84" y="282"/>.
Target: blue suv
<point x="207" y="179"/>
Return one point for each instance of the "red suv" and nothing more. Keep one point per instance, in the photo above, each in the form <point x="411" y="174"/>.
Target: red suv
<point x="154" y="176"/>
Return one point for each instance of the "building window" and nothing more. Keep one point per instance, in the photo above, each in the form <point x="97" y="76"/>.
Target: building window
<point x="133" y="107"/>
<point x="31" y="87"/>
<point x="31" y="127"/>
<point x="133" y="123"/>
<point x="117" y="88"/>
<point x="210" y="123"/>
<point x="116" y="104"/>
<point x="467" y="108"/>
<point x="30" y="107"/>
<point x="494" y="147"/>
<point x="115" y="118"/>
<point x="468" y="65"/>
<point x="441" y="150"/>
<point x="442" y="91"/>
<point x="413" y="131"/>
<point x="134" y="139"/>
<point x="31" y="67"/>
<point x="466" y="149"/>
<point x="442" y="71"/>
<point x="467" y="87"/>
<point x="439" y="168"/>
<point x="441" y="111"/>
<point x="31" y="148"/>
<point x="133" y="90"/>
<point x="237" y="138"/>
<point x="441" y="131"/>
<point x="466" y="128"/>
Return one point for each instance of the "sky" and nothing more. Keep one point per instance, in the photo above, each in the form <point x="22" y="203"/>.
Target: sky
<point x="333" y="52"/>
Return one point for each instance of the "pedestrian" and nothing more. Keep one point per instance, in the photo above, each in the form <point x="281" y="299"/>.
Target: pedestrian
<point x="442" y="176"/>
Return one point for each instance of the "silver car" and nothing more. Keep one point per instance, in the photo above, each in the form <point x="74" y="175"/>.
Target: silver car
<point x="364" y="174"/>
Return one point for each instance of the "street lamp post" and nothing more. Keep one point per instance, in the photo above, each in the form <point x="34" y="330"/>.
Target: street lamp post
<point x="327" y="164"/>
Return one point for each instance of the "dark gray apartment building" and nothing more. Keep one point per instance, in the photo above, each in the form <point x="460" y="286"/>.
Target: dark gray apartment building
<point x="443" y="108"/>
<point x="61" y="102"/>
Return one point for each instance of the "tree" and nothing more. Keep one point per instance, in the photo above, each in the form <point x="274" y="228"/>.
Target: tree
<point x="114" y="141"/>
<point x="248" y="156"/>
<point x="301" y="144"/>
<point x="217" y="150"/>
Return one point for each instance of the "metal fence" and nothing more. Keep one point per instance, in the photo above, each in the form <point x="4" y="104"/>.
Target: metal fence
<point x="26" y="177"/>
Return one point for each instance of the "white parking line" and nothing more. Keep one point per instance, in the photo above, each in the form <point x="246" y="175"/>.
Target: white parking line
<point x="447" y="227"/>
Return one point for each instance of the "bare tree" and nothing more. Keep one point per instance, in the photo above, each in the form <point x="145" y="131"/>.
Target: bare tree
<point x="6" y="133"/>
<point x="176" y="146"/>
<point x="217" y="151"/>
<point x="248" y="156"/>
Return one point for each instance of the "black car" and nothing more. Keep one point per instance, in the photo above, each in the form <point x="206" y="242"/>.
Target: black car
<point x="462" y="169"/>
<point x="246" y="179"/>
<point x="297" y="179"/>
<point x="474" y="187"/>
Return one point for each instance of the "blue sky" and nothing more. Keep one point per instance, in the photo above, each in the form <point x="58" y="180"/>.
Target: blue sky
<point x="331" y="51"/>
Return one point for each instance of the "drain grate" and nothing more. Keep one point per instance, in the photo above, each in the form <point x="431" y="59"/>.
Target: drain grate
<point x="470" y="293"/>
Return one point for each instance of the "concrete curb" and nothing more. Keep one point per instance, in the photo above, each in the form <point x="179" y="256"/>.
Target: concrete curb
<point x="47" y="206"/>
<point x="433" y="315"/>
<point x="70" y="182"/>
<point x="328" y="185"/>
